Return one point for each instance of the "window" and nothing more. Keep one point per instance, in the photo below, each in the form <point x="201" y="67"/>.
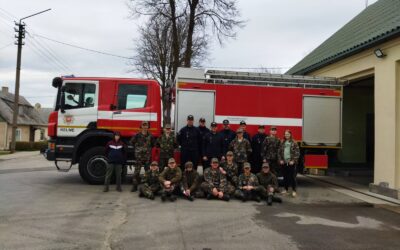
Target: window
<point x="79" y="95"/>
<point x="132" y="96"/>
<point x="42" y="138"/>
<point x="18" y="134"/>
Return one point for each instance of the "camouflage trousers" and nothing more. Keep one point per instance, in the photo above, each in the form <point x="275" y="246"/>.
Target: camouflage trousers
<point x="197" y="193"/>
<point x="230" y="188"/>
<point x="207" y="188"/>
<point x="173" y="189"/>
<point x="250" y="194"/>
<point x="275" y="167"/>
<point x="264" y="192"/>
<point x="111" y="167"/>
<point x="149" y="190"/>
<point x="136" y="173"/>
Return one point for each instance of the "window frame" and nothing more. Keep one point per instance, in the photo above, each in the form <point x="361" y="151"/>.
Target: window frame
<point x="81" y="100"/>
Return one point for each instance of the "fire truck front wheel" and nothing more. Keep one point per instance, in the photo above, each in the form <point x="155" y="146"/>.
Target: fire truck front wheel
<point x="93" y="165"/>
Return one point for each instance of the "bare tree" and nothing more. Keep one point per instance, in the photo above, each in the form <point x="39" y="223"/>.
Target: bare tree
<point x="176" y="34"/>
<point x="154" y="54"/>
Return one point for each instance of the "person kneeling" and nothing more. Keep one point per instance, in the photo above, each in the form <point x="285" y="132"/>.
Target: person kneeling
<point x="248" y="188"/>
<point x="190" y="182"/>
<point x="150" y="184"/>
<point x="169" y="180"/>
<point x="215" y="182"/>
<point x="269" y="182"/>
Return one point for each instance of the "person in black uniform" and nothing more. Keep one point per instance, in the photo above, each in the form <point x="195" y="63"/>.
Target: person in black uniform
<point x="203" y="131"/>
<point x="256" y="145"/>
<point x="189" y="139"/>
<point x="227" y="136"/>
<point x="245" y="134"/>
<point x="212" y="145"/>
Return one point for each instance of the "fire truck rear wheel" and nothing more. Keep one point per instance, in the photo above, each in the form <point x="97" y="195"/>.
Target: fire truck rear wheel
<point x="93" y="165"/>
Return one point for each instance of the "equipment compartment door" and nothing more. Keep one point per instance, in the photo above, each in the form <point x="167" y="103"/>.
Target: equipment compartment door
<point x="322" y="121"/>
<point x="196" y="103"/>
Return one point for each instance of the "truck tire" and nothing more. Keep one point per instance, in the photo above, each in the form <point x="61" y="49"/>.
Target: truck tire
<point x="93" y="165"/>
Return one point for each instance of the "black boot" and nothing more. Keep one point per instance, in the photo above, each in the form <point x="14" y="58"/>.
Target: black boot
<point x="276" y="199"/>
<point x="257" y="198"/>
<point x="190" y="198"/>
<point x="269" y="200"/>
<point x="151" y="196"/>
<point x="134" y="188"/>
<point x="119" y="189"/>
<point x="209" y="196"/>
<point x="105" y="188"/>
<point x="172" y="197"/>
<point x="225" y="197"/>
<point x="163" y="197"/>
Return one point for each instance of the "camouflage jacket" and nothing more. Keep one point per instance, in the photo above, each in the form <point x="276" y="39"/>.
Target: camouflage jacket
<point x="190" y="180"/>
<point x="248" y="180"/>
<point x="232" y="172"/>
<point x="294" y="152"/>
<point x="150" y="178"/>
<point x="266" y="180"/>
<point x="215" y="178"/>
<point x="174" y="175"/>
<point x="240" y="150"/>
<point x="142" y="145"/>
<point x="270" y="148"/>
<point x="167" y="145"/>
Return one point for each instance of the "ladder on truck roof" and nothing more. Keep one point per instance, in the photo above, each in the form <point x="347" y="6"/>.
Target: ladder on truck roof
<point x="266" y="79"/>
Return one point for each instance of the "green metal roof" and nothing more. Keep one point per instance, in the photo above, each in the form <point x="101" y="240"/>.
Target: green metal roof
<point x="378" y="23"/>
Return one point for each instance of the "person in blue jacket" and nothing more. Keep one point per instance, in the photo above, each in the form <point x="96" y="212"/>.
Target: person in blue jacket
<point x="116" y="155"/>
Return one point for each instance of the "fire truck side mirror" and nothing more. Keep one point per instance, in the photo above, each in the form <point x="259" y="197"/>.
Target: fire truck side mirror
<point x="62" y="99"/>
<point x="57" y="82"/>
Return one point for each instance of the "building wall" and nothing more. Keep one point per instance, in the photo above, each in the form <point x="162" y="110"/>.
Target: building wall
<point x="3" y="135"/>
<point x="387" y="104"/>
<point x="37" y="134"/>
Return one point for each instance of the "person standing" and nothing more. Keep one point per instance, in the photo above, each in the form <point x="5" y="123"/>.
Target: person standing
<point x="189" y="139"/>
<point x="214" y="185"/>
<point x="269" y="151"/>
<point x="243" y="126"/>
<point x="288" y="156"/>
<point x="269" y="182"/>
<point x="256" y="145"/>
<point x="241" y="149"/>
<point x="116" y="155"/>
<point x="212" y="145"/>
<point x="142" y="142"/>
<point x="170" y="179"/>
<point x="150" y="183"/>
<point x="227" y="136"/>
<point x="167" y="144"/>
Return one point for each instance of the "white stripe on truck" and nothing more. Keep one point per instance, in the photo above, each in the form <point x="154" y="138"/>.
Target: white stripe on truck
<point x="269" y="121"/>
<point x="127" y="116"/>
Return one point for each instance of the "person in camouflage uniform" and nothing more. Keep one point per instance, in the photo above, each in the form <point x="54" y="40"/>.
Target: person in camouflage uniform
<point x="269" y="151"/>
<point x="248" y="188"/>
<point x="142" y="143"/>
<point x="230" y="169"/>
<point x="214" y="184"/>
<point x="167" y="144"/>
<point x="241" y="149"/>
<point x="288" y="156"/>
<point x="190" y="182"/>
<point x="170" y="179"/>
<point x="269" y="182"/>
<point x="150" y="184"/>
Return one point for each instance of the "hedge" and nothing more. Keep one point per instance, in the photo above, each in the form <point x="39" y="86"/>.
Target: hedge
<point x="30" y="146"/>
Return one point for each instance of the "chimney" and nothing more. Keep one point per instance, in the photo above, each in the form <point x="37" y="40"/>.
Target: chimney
<point x="4" y="90"/>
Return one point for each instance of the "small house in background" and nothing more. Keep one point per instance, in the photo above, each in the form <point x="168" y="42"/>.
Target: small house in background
<point x="32" y="121"/>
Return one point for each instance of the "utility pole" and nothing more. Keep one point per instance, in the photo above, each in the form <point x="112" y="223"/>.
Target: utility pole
<point x="20" y="35"/>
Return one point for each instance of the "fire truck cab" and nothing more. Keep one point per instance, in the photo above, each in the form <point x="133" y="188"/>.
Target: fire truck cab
<point x="88" y="110"/>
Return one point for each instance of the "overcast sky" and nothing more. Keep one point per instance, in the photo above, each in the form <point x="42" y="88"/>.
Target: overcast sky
<point x="277" y="34"/>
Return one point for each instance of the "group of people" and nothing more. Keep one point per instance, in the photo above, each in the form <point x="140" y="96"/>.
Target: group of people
<point x="234" y="164"/>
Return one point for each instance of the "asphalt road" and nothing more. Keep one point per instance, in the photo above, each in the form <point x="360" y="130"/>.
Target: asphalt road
<point x="43" y="209"/>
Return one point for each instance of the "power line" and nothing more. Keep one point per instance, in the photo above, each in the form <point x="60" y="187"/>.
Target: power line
<point x="49" y="54"/>
<point x="11" y="16"/>
<point x="83" y="48"/>
<point x="6" y="46"/>
<point x="55" y="67"/>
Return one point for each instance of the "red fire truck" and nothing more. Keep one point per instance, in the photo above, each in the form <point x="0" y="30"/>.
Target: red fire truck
<point x="89" y="109"/>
